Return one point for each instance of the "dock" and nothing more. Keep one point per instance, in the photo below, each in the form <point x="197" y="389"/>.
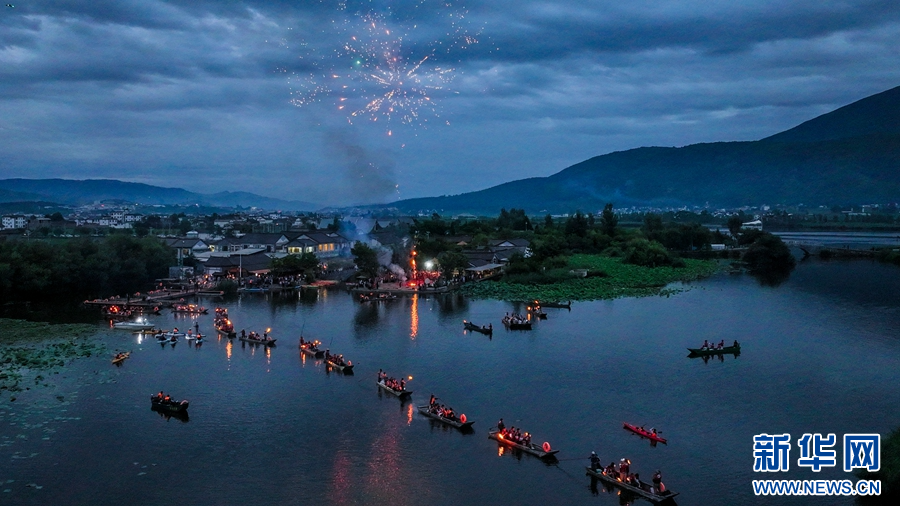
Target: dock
<point x="156" y="298"/>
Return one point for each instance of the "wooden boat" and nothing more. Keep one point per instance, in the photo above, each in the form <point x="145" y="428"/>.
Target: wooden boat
<point x="223" y="325"/>
<point x="644" y="491"/>
<point x="514" y="325"/>
<point x="399" y="393"/>
<point x="139" y="324"/>
<point x="460" y="423"/>
<point x="170" y="406"/>
<point x="253" y="290"/>
<point x="231" y="334"/>
<point x="121" y="358"/>
<point x="189" y="309"/>
<point x="644" y="433"/>
<point x="698" y="352"/>
<point x="475" y="328"/>
<point x="567" y="305"/>
<point x="267" y="342"/>
<point x="537" y="451"/>
<point x="340" y="366"/>
<point x="311" y="348"/>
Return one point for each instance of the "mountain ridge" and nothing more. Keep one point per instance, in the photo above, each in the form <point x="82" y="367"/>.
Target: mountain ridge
<point x="86" y="191"/>
<point x="849" y="155"/>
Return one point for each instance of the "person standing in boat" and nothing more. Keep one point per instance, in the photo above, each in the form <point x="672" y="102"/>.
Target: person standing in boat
<point x="595" y="461"/>
<point x="657" y="482"/>
<point x="501" y="426"/>
<point x="432" y="401"/>
<point x="244" y="333"/>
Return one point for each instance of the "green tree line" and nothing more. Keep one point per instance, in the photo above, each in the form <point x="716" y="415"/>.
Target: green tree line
<point x="81" y="268"/>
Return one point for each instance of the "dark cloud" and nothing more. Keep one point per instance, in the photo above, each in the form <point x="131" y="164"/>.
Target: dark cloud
<point x="199" y="92"/>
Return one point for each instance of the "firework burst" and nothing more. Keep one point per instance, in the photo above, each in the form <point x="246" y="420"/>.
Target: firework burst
<point x="389" y="67"/>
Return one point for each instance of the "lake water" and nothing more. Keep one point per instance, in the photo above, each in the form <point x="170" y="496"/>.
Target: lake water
<point x="268" y="426"/>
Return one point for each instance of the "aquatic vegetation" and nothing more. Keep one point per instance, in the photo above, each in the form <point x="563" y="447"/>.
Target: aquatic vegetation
<point x="31" y="348"/>
<point x="604" y="278"/>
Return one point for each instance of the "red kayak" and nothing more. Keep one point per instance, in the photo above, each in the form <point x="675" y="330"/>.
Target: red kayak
<point x="644" y="433"/>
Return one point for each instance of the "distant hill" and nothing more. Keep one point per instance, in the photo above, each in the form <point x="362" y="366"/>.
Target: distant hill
<point x="850" y="155"/>
<point x="78" y="192"/>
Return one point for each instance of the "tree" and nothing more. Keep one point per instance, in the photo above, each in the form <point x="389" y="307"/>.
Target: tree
<point x="366" y="259"/>
<point x="295" y="264"/>
<point x="548" y="222"/>
<point x="734" y="224"/>
<point x="577" y="225"/>
<point x="768" y="254"/>
<point x="608" y="220"/>
<point x="652" y="225"/>
<point x="451" y="262"/>
<point x="57" y="216"/>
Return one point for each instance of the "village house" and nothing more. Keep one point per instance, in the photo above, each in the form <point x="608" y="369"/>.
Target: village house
<point x="14" y="222"/>
<point x="185" y="248"/>
<point x="324" y="245"/>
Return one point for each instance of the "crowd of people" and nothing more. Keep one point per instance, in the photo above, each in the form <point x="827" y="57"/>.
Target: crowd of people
<point x="309" y="345"/>
<point x="514" y="318"/>
<point x="513" y="434"/>
<point x="221" y="321"/>
<point x="623" y="473"/>
<point x="255" y="336"/>
<point x="713" y="346"/>
<point x="336" y="359"/>
<point x="392" y="383"/>
<point x="439" y="409"/>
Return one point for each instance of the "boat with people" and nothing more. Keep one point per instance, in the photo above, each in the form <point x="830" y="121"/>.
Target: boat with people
<point x="363" y="297"/>
<point x="338" y="362"/>
<point x="487" y="330"/>
<point x="393" y="386"/>
<point x="649" y="434"/>
<point x="654" y="492"/>
<point x="513" y="438"/>
<point x="164" y="402"/>
<point x="166" y="338"/>
<point x="189" y="309"/>
<point x="714" y="349"/>
<point x="445" y="415"/>
<point x="516" y="322"/>
<point x="311" y="348"/>
<point x="536" y="311"/>
<point x="222" y="324"/>
<point x="148" y="332"/>
<point x="121" y="357"/>
<point x="138" y="324"/>
<point x="255" y="338"/>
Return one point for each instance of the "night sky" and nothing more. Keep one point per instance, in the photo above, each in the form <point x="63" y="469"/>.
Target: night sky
<point x="354" y="101"/>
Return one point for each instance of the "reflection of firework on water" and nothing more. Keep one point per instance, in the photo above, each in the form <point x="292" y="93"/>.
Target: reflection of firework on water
<point x="389" y="65"/>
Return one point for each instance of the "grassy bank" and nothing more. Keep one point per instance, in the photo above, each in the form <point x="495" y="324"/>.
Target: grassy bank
<point x="608" y="278"/>
<point x="31" y="350"/>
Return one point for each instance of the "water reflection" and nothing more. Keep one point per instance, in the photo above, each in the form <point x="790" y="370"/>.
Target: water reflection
<point x="181" y="416"/>
<point x="414" y="317"/>
<point x="366" y="315"/>
<point x="452" y="304"/>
